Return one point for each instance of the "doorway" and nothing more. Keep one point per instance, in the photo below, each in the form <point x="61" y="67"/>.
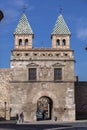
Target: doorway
<point x="44" y="108"/>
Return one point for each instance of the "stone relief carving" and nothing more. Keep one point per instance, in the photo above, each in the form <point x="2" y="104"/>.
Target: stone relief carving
<point x="45" y="72"/>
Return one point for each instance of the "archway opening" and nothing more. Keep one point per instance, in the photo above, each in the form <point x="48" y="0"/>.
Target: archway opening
<point x="44" y="108"/>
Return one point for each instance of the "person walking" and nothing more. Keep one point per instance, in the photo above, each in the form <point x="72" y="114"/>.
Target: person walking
<point x="17" y="118"/>
<point x="21" y="117"/>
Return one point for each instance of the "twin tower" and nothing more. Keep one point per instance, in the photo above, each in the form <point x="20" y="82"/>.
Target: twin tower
<point x="24" y="35"/>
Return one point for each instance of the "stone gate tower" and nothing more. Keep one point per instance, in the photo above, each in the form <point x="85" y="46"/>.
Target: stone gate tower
<point x="42" y="78"/>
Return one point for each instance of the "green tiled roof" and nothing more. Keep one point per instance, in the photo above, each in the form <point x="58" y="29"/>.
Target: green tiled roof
<point x="23" y="26"/>
<point x="60" y="27"/>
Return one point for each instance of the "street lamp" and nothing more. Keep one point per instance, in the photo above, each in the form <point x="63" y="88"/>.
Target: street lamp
<point x="5" y="103"/>
<point x="10" y="112"/>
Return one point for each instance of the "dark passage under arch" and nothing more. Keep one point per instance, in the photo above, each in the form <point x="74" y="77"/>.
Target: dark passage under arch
<point x="44" y="108"/>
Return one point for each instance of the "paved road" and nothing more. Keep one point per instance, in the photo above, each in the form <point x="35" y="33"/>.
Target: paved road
<point x="31" y="127"/>
<point x="44" y="126"/>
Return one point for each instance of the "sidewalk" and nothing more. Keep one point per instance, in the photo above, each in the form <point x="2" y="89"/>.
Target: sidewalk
<point x="78" y="123"/>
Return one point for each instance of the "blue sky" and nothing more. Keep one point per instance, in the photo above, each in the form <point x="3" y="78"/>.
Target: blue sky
<point x="42" y="15"/>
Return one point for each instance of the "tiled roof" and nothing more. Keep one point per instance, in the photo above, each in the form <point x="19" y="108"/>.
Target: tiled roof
<point x="23" y="26"/>
<point x="60" y="27"/>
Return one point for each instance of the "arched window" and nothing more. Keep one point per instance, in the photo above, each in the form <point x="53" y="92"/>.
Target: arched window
<point x="26" y="42"/>
<point x="20" y="42"/>
<point x="58" y="42"/>
<point x="63" y="42"/>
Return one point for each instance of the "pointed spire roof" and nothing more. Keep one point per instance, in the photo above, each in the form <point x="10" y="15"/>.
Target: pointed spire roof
<point x="61" y="27"/>
<point x="23" y="26"/>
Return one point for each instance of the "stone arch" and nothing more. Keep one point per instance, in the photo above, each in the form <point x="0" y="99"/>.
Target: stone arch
<point x="63" y="42"/>
<point x="44" y="93"/>
<point x="58" y="42"/>
<point x="44" y="108"/>
<point x="26" y="42"/>
<point x="20" y="42"/>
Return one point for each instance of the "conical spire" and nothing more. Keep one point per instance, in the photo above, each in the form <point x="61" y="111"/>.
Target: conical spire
<point x="60" y="27"/>
<point x="23" y="26"/>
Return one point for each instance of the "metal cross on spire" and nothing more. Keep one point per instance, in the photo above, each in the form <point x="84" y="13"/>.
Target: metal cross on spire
<point x="60" y="10"/>
<point x="24" y="8"/>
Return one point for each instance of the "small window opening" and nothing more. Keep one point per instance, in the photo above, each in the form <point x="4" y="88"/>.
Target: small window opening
<point x="26" y="42"/>
<point x="20" y="42"/>
<point x="63" y="42"/>
<point x="18" y="54"/>
<point x="43" y="54"/>
<point x="57" y="54"/>
<point x="66" y="54"/>
<point x="26" y="54"/>
<point x="50" y="54"/>
<point x="58" y="42"/>
<point x="35" y="54"/>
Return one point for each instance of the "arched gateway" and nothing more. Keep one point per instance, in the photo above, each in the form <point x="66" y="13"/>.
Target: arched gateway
<point x="44" y="108"/>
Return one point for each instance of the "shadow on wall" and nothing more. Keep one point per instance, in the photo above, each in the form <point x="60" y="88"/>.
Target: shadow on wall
<point x="2" y="119"/>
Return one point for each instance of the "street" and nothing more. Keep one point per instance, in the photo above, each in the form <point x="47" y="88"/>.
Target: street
<point x="77" y="125"/>
<point x="32" y="126"/>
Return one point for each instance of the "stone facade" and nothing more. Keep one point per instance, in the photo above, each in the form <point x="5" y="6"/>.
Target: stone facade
<point x="5" y="77"/>
<point x="60" y="92"/>
<point x="54" y="97"/>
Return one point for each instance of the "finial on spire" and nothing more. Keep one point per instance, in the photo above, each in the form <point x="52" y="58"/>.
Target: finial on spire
<point x="60" y="10"/>
<point x="24" y="8"/>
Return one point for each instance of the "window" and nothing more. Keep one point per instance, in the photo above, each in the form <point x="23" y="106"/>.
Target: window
<point x="35" y="54"/>
<point x="58" y="42"/>
<point x="66" y="54"/>
<point x="26" y="54"/>
<point x="20" y="42"/>
<point x="18" y="54"/>
<point x="57" y="54"/>
<point x="32" y="74"/>
<point x="57" y="73"/>
<point x="63" y="42"/>
<point x="26" y="42"/>
<point x="50" y="54"/>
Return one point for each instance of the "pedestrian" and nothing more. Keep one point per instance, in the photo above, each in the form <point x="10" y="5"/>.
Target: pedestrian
<point x="21" y="117"/>
<point x="55" y="118"/>
<point x="17" y="118"/>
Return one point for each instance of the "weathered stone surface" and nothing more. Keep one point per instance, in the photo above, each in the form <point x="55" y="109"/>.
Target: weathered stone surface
<point x="5" y="77"/>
